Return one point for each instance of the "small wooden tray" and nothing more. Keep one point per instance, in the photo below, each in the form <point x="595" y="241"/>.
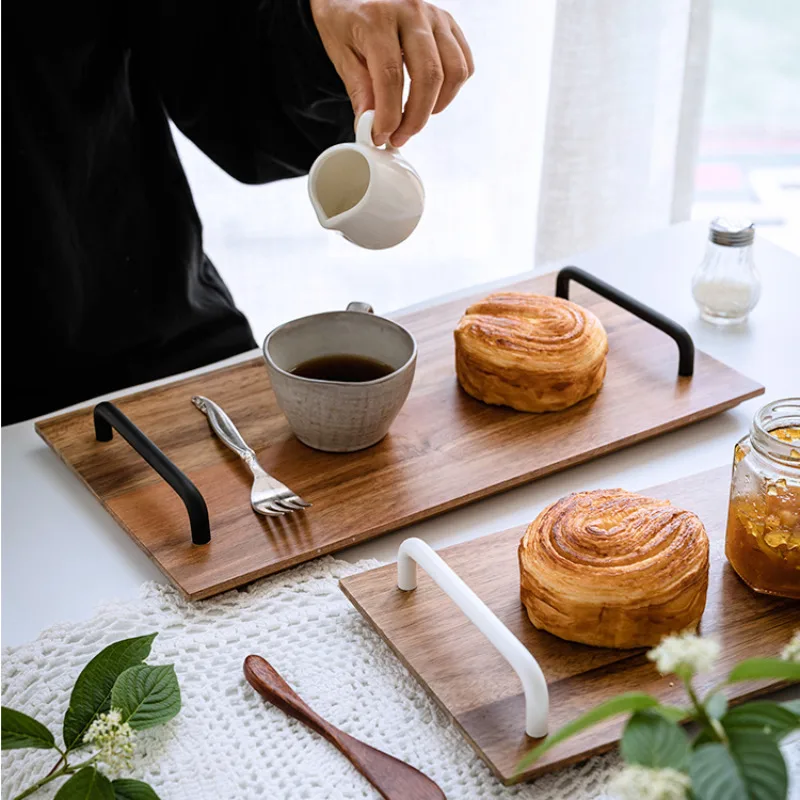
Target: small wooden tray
<point x="444" y="450"/>
<point x="480" y="691"/>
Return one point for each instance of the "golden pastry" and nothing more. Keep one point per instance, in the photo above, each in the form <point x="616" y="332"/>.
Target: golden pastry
<point x="614" y="569"/>
<point x="530" y="352"/>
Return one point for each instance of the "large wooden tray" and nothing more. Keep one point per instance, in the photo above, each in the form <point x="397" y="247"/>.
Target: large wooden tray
<point x="480" y="691"/>
<point x="444" y="450"/>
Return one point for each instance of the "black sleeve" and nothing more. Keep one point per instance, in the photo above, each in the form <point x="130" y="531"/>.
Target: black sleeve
<point x="250" y="83"/>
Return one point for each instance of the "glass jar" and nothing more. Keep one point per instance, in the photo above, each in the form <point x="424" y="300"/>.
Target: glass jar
<point x="762" y="541"/>
<point x="726" y="285"/>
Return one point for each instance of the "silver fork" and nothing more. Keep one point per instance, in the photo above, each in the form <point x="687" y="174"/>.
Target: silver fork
<point x="268" y="496"/>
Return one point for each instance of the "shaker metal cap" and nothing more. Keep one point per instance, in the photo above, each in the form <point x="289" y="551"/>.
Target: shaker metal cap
<point x="731" y="231"/>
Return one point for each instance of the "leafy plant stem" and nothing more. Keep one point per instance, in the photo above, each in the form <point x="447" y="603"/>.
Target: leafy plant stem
<point x="62" y="760"/>
<point x="713" y="725"/>
<point x="54" y="773"/>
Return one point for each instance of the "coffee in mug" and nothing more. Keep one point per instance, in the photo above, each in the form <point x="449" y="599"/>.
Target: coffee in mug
<point x="341" y="377"/>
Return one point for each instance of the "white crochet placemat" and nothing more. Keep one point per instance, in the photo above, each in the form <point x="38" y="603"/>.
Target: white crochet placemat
<point x="227" y="743"/>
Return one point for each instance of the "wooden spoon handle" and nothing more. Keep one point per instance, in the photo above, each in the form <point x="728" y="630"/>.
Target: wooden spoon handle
<point x="266" y="680"/>
<point x="394" y="779"/>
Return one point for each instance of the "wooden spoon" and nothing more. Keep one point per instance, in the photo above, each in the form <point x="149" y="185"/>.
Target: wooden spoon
<point x="394" y="779"/>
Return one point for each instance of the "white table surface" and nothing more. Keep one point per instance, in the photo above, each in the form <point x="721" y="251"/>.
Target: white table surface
<point x="63" y="555"/>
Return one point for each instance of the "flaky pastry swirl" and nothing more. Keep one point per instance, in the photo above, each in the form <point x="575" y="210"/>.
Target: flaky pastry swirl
<point x="530" y="352"/>
<point x="614" y="569"/>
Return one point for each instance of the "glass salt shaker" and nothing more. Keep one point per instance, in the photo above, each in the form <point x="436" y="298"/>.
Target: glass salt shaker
<point x="726" y="285"/>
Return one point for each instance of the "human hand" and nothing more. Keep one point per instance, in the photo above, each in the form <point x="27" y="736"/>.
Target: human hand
<point x="369" y="40"/>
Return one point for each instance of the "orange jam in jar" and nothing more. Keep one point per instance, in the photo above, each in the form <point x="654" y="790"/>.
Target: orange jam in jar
<point x="762" y="542"/>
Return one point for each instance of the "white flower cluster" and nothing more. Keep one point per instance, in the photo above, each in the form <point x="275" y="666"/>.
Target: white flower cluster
<point x="113" y="739"/>
<point x="792" y="650"/>
<point x="642" y="783"/>
<point x="684" y="654"/>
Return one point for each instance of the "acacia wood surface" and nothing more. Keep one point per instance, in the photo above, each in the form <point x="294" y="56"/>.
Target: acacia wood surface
<point x="480" y="691"/>
<point x="443" y="451"/>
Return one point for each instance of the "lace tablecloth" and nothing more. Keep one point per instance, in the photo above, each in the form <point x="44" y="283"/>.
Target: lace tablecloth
<point x="227" y="743"/>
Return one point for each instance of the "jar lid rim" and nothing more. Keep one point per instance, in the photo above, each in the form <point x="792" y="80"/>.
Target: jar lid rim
<point x="776" y="414"/>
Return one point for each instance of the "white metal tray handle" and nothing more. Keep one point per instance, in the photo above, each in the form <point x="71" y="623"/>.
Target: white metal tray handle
<point x="414" y="551"/>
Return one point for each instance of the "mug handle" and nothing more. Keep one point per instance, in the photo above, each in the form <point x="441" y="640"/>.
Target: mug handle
<point x="366" y="308"/>
<point x="364" y="131"/>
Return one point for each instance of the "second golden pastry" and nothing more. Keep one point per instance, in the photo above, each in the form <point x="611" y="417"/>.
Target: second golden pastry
<point x="613" y="568"/>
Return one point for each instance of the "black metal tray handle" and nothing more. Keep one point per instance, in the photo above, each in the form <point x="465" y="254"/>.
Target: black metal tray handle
<point x="657" y="320"/>
<point x="107" y="417"/>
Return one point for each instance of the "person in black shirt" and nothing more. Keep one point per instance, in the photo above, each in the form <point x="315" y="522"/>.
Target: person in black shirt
<point x="108" y="285"/>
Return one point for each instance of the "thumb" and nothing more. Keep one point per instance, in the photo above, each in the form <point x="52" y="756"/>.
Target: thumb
<point x="358" y="83"/>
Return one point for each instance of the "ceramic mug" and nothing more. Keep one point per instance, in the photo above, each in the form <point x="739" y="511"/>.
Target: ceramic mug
<point x="339" y="416"/>
<point x="370" y="194"/>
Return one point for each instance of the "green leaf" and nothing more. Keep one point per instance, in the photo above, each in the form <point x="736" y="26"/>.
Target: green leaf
<point x="652" y="741"/>
<point x="86" y="784"/>
<point x="20" y="730"/>
<point x="716" y="705"/>
<point x="126" y="789"/>
<point x="760" y="763"/>
<point x="715" y="775"/>
<point x="631" y="701"/>
<point x="92" y="692"/>
<point x="705" y="736"/>
<point x="147" y="696"/>
<point x="755" y="668"/>
<point x="762" y="716"/>
<point x="673" y="713"/>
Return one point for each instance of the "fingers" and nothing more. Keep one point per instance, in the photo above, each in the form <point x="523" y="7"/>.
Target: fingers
<point x="454" y="64"/>
<point x="462" y="43"/>
<point x="357" y="81"/>
<point x="436" y="55"/>
<point x="426" y="72"/>
<point x="385" y="64"/>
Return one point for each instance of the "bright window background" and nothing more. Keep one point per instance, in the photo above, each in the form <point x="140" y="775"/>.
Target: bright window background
<point x="480" y="162"/>
<point x="749" y="160"/>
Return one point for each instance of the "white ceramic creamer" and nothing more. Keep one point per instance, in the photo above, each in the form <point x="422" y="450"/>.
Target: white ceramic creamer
<point x="371" y="195"/>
